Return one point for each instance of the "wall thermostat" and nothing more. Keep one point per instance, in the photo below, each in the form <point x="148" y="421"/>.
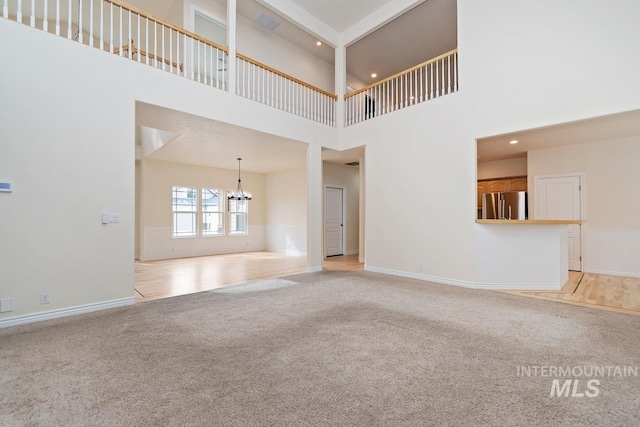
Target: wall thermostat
<point x="6" y="187"/>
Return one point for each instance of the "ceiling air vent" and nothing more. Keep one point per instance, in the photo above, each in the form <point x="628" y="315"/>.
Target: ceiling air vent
<point x="266" y="22"/>
<point x="352" y="164"/>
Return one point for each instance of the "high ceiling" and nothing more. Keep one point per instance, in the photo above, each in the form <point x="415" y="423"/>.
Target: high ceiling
<point x="597" y="129"/>
<point x="340" y="14"/>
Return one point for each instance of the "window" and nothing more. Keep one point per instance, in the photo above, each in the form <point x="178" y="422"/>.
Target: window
<point x="212" y="212"/>
<point x="185" y="211"/>
<point x="238" y="216"/>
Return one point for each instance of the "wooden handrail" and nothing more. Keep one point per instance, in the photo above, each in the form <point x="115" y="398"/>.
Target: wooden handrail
<point x="167" y="24"/>
<point x="135" y="50"/>
<point x="286" y="76"/>
<point x="401" y="73"/>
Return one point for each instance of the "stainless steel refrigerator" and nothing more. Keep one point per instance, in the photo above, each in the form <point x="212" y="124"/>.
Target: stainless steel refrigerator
<point x="509" y="205"/>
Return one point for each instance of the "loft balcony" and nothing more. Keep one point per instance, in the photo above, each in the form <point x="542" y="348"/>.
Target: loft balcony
<point x="133" y="34"/>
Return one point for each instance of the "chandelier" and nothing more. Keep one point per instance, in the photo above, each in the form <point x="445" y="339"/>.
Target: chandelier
<point x="238" y="194"/>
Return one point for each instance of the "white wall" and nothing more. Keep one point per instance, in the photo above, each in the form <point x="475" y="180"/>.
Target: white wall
<point x="502" y="168"/>
<point x="286" y="211"/>
<point x="612" y="226"/>
<point x="348" y="177"/>
<point x="68" y="144"/>
<point x="157" y="180"/>
<point x="522" y="65"/>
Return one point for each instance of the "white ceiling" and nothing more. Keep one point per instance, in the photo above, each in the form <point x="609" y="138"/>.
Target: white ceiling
<point x="206" y="142"/>
<point x="596" y="129"/>
<point x="340" y="14"/>
<point x="342" y="157"/>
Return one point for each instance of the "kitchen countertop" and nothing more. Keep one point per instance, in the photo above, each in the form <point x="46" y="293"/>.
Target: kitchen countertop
<point x="528" y="221"/>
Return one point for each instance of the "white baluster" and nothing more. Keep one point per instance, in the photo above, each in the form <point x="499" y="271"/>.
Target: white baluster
<point x="192" y="61"/>
<point x="198" y="53"/>
<point x="101" y="24"/>
<point x="32" y="20"/>
<point x="5" y="9"/>
<point x="90" y="22"/>
<point x="19" y="13"/>
<point x="163" y="53"/>
<point x="45" y="18"/>
<point x="448" y="74"/>
<point x="455" y="71"/>
<point x="130" y="36"/>
<point x="138" y="36"/>
<point x="80" y="35"/>
<point x="120" y="31"/>
<point x="442" y="83"/>
<point x="431" y="78"/>
<point x="146" y="48"/>
<point x="171" y="67"/>
<point x="69" y="22"/>
<point x="111" y="35"/>
<point x="155" y="44"/>
<point x="178" y="60"/>
<point x="57" y="17"/>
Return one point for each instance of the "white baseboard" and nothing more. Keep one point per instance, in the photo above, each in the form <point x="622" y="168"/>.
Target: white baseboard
<point x="360" y="259"/>
<point x="464" y="284"/>
<point x="525" y="287"/>
<point x="351" y="252"/>
<point x="421" y="277"/>
<point x="612" y="273"/>
<point x="314" y="269"/>
<point x="64" y="312"/>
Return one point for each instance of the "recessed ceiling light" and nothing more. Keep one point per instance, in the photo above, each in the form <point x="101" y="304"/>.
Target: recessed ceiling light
<point x="318" y="43"/>
<point x="374" y="75"/>
<point x="513" y="141"/>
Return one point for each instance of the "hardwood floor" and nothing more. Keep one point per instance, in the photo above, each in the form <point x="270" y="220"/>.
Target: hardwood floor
<point x="168" y="278"/>
<point x="612" y="293"/>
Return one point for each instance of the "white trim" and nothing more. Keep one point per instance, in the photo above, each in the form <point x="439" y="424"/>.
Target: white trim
<point x="424" y="277"/>
<point x="361" y="259"/>
<point x="522" y="287"/>
<point x="191" y="19"/>
<point x="462" y="283"/>
<point x="64" y="312"/>
<point x="314" y="269"/>
<point x="612" y="273"/>
<point x="583" y="204"/>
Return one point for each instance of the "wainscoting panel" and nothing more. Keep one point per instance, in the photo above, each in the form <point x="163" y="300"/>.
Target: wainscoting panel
<point x="612" y="251"/>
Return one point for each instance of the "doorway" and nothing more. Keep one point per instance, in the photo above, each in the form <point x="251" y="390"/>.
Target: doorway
<point x="334" y="220"/>
<point x="561" y="197"/>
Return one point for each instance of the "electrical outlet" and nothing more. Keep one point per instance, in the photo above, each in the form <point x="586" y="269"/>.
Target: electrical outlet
<point x="44" y="298"/>
<point x="6" y="305"/>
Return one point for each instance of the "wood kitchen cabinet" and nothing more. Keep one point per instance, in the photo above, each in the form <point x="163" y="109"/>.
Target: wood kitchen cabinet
<point x="501" y="185"/>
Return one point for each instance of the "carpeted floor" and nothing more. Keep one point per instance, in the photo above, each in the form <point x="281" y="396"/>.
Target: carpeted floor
<point x="330" y="348"/>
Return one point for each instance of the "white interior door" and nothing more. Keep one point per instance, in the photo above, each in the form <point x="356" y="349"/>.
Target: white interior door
<point x="334" y="225"/>
<point x="559" y="197"/>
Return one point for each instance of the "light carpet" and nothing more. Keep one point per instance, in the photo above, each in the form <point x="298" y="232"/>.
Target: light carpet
<point x="329" y="348"/>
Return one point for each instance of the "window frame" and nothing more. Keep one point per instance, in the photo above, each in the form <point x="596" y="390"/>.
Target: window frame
<point x="174" y="212"/>
<point x="236" y="212"/>
<point x="220" y="212"/>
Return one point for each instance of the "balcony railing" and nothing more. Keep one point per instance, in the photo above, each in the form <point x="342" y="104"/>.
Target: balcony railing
<point x="116" y="27"/>
<point x="271" y="87"/>
<point x="431" y="79"/>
